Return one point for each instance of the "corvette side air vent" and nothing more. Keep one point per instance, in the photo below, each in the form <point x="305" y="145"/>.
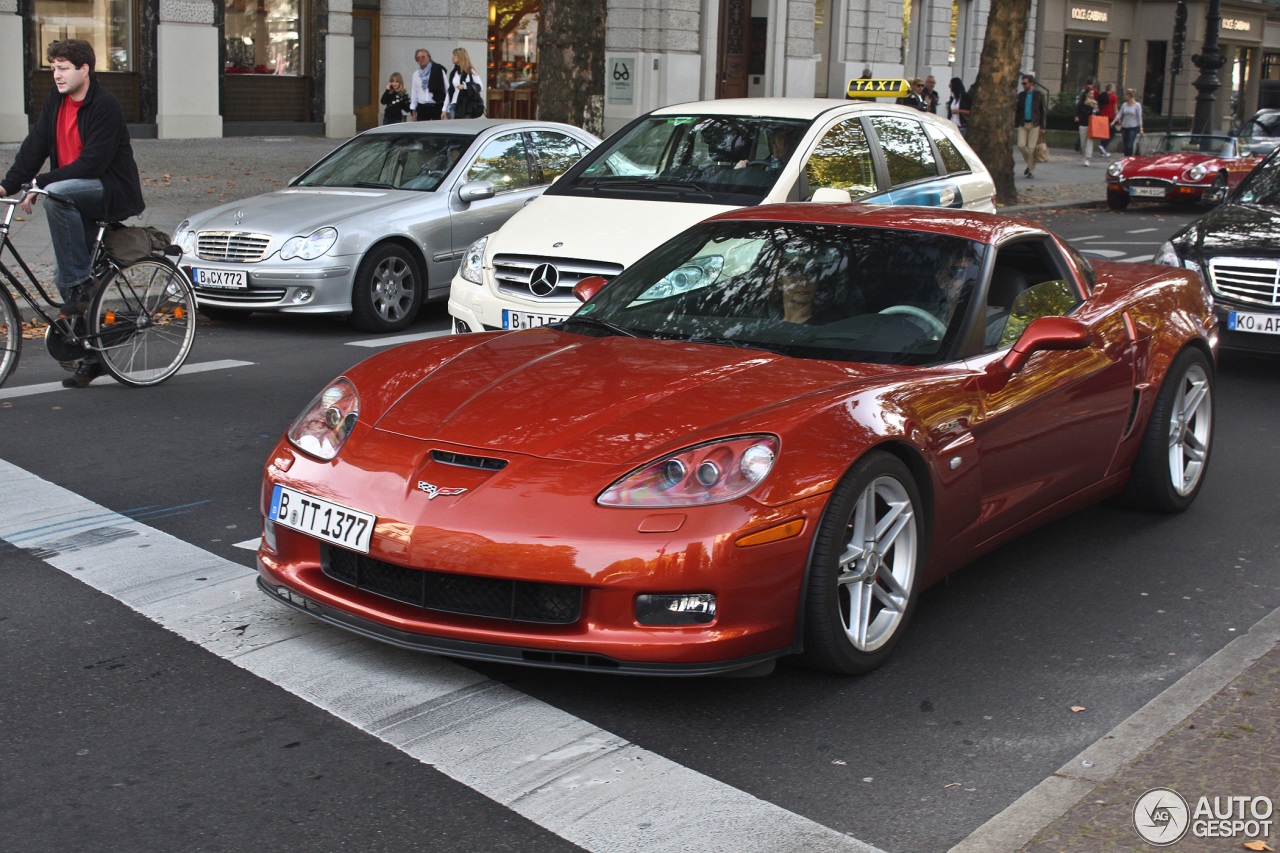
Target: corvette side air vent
<point x="486" y="463"/>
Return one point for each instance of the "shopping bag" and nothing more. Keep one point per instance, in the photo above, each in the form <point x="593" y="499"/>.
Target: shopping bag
<point x="1041" y="154"/>
<point x="1099" y="127"/>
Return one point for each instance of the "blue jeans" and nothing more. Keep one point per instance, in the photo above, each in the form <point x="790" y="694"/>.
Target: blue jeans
<point x="1130" y="137"/>
<point x="71" y="225"/>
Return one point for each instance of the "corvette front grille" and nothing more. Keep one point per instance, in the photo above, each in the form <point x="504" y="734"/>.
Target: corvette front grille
<point x="496" y="598"/>
<point x="238" y="246"/>
<point x="1252" y="280"/>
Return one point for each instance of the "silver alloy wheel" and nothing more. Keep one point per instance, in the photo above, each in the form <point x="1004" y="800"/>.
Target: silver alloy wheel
<point x="878" y="564"/>
<point x="1189" y="426"/>
<point x="391" y="299"/>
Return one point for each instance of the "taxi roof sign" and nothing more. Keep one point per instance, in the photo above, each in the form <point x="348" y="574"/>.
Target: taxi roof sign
<point x="867" y="88"/>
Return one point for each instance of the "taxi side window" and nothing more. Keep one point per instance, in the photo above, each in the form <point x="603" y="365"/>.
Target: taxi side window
<point x="505" y="162"/>
<point x="906" y="149"/>
<point x="842" y="160"/>
<point x="951" y="156"/>
<point x="1027" y="282"/>
<point x="556" y="153"/>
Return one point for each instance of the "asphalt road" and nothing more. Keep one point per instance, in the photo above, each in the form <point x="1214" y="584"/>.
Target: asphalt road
<point x="116" y="734"/>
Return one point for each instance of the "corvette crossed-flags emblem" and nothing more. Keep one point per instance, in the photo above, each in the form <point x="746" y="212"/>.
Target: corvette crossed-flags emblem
<point x="434" y="491"/>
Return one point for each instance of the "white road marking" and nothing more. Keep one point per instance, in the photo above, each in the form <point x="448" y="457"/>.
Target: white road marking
<point x="46" y="387"/>
<point x="249" y="544"/>
<point x="399" y="339"/>
<point x="584" y="784"/>
<point x="1090" y="237"/>
<point x="1141" y="230"/>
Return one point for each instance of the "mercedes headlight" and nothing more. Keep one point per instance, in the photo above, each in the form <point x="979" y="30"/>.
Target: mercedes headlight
<point x="473" y="261"/>
<point x="1115" y="170"/>
<point x="1197" y="172"/>
<point x="326" y="423"/>
<point x="1167" y="255"/>
<point x="309" y="248"/>
<point x="699" y="272"/>
<point x="185" y="237"/>
<point x="710" y="473"/>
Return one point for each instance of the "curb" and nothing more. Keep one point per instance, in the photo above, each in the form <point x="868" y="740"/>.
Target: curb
<point x="1052" y="205"/>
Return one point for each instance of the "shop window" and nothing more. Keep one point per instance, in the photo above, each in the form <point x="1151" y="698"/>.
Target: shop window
<point x="105" y="24"/>
<point x="1081" y="59"/>
<point x="1153" y="84"/>
<point x="1124" y="68"/>
<point x="513" y="58"/>
<point x="1271" y="66"/>
<point x="264" y="37"/>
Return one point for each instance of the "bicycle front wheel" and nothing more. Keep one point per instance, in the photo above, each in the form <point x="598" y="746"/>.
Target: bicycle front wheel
<point x="10" y="334"/>
<point x="144" y="321"/>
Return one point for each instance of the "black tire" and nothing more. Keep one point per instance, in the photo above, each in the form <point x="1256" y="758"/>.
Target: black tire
<point x="144" y="320"/>
<point x="1117" y="201"/>
<point x="10" y="335"/>
<point x="890" y="581"/>
<point x="387" y="292"/>
<point x="1217" y="192"/>
<point x="219" y="314"/>
<point x="1155" y="483"/>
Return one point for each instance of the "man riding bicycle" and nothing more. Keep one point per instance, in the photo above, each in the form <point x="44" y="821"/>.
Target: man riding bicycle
<point x="82" y="133"/>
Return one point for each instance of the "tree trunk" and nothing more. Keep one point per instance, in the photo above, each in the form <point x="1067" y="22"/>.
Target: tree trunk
<point x="991" y="121"/>
<point x="571" y="63"/>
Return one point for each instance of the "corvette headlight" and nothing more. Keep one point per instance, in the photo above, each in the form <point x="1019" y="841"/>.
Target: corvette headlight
<point x="185" y="237"/>
<point x="1167" y="255"/>
<point x="473" y="262"/>
<point x="1115" y="170"/>
<point x="309" y="248"/>
<point x="709" y="473"/>
<point x="1197" y="172"/>
<point x="326" y="423"/>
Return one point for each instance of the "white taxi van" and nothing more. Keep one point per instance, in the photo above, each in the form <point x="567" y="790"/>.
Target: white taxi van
<point x="679" y="165"/>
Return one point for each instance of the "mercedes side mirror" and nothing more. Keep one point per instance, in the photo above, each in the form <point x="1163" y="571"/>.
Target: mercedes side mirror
<point x="1047" y="333"/>
<point x="589" y="287"/>
<point x="475" y="191"/>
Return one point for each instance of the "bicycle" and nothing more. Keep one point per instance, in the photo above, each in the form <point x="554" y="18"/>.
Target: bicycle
<point x="141" y="318"/>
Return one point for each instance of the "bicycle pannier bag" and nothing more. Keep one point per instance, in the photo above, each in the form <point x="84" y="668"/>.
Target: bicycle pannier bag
<point x="130" y="244"/>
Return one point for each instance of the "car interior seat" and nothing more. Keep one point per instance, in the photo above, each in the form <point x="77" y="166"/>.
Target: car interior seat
<point x="1007" y="284"/>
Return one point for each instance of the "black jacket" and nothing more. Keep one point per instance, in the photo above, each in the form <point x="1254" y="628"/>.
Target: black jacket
<point x="1037" y="109"/>
<point x="107" y="154"/>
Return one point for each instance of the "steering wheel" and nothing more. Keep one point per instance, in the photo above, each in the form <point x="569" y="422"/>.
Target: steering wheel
<point x="930" y="322"/>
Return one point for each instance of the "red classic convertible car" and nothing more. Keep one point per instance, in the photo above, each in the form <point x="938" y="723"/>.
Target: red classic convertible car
<point x="1180" y="168"/>
<point x="764" y="438"/>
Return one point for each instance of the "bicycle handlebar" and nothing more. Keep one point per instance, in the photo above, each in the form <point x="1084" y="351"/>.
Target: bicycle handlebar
<point x="31" y="189"/>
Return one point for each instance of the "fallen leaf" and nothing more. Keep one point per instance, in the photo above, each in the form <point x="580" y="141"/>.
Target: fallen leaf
<point x="1257" y="845"/>
<point x="952" y="785"/>
<point x="1076" y="709"/>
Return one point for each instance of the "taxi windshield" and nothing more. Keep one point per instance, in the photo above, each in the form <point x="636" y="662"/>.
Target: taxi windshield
<point x="733" y="160"/>
<point x="1194" y="143"/>
<point x="390" y="161"/>
<point x="804" y="290"/>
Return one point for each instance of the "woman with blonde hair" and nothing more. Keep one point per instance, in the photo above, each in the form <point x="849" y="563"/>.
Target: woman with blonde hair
<point x="396" y="100"/>
<point x="465" y="98"/>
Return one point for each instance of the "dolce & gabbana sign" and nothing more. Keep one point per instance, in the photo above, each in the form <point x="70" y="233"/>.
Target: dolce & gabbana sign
<point x="1095" y="17"/>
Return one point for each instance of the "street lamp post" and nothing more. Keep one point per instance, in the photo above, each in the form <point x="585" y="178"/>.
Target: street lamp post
<point x="1208" y="62"/>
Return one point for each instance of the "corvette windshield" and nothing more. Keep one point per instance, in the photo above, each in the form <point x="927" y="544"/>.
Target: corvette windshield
<point x="710" y="159"/>
<point x="417" y="161"/>
<point x="1194" y="143"/>
<point x="804" y="290"/>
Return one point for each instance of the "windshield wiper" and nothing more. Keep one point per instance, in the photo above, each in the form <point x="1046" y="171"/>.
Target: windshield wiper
<point x="603" y="324"/>
<point x="728" y="342"/>
<point x="644" y="183"/>
<point x="373" y="185"/>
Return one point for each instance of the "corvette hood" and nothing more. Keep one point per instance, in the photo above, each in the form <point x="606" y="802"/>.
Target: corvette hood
<point x="298" y="210"/>
<point x="598" y="229"/>
<point x="1164" y="165"/>
<point x="610" y="400"/>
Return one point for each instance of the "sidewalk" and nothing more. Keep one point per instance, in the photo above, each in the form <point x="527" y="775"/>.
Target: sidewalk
<point x="1063" y="180"/>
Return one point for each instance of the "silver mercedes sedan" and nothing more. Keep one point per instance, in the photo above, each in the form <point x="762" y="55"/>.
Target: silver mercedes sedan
<point x="378" y="225"/>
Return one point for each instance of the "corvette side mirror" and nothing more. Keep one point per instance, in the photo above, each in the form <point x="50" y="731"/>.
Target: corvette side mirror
<point x="1047" y="333"/>
<point x="589" y="287"/>
<point x="475" y="191"/>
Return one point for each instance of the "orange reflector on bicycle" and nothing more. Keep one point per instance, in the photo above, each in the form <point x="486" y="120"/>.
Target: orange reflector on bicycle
<point x="109" y="318"/>
<point x="177" y="313"/>
<point x="772" y="534"/>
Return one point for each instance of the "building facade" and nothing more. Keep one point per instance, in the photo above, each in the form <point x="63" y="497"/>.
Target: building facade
<point x="202" y="68"/>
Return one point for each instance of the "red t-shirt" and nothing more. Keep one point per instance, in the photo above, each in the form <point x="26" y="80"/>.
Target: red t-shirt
<point x="69" y="144"/>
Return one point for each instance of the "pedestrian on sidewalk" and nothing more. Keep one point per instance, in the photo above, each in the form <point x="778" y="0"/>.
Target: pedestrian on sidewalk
<point x="426" y="94"/>
<point x="930" y="96"/>
<point x="1107" y="103"/>
<point x="1086" y="108"/>
<point x="1129" y="120"/>
<point x="915" y="99"/>
<point x="395" y="100"/>
<point x="958" y="106"/>
<point x="81" y="131"/>
<point x="1029" y="118"/>
<point x="465" y="98"/>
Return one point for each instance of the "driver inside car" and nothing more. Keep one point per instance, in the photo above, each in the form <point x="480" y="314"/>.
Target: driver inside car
<point x="803" y="275"/>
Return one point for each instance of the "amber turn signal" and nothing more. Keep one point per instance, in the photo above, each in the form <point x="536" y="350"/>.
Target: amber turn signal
<point x="772" y="534"/>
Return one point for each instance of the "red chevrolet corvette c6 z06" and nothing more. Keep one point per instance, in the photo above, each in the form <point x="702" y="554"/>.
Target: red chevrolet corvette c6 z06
<point x="765" y="438"/>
